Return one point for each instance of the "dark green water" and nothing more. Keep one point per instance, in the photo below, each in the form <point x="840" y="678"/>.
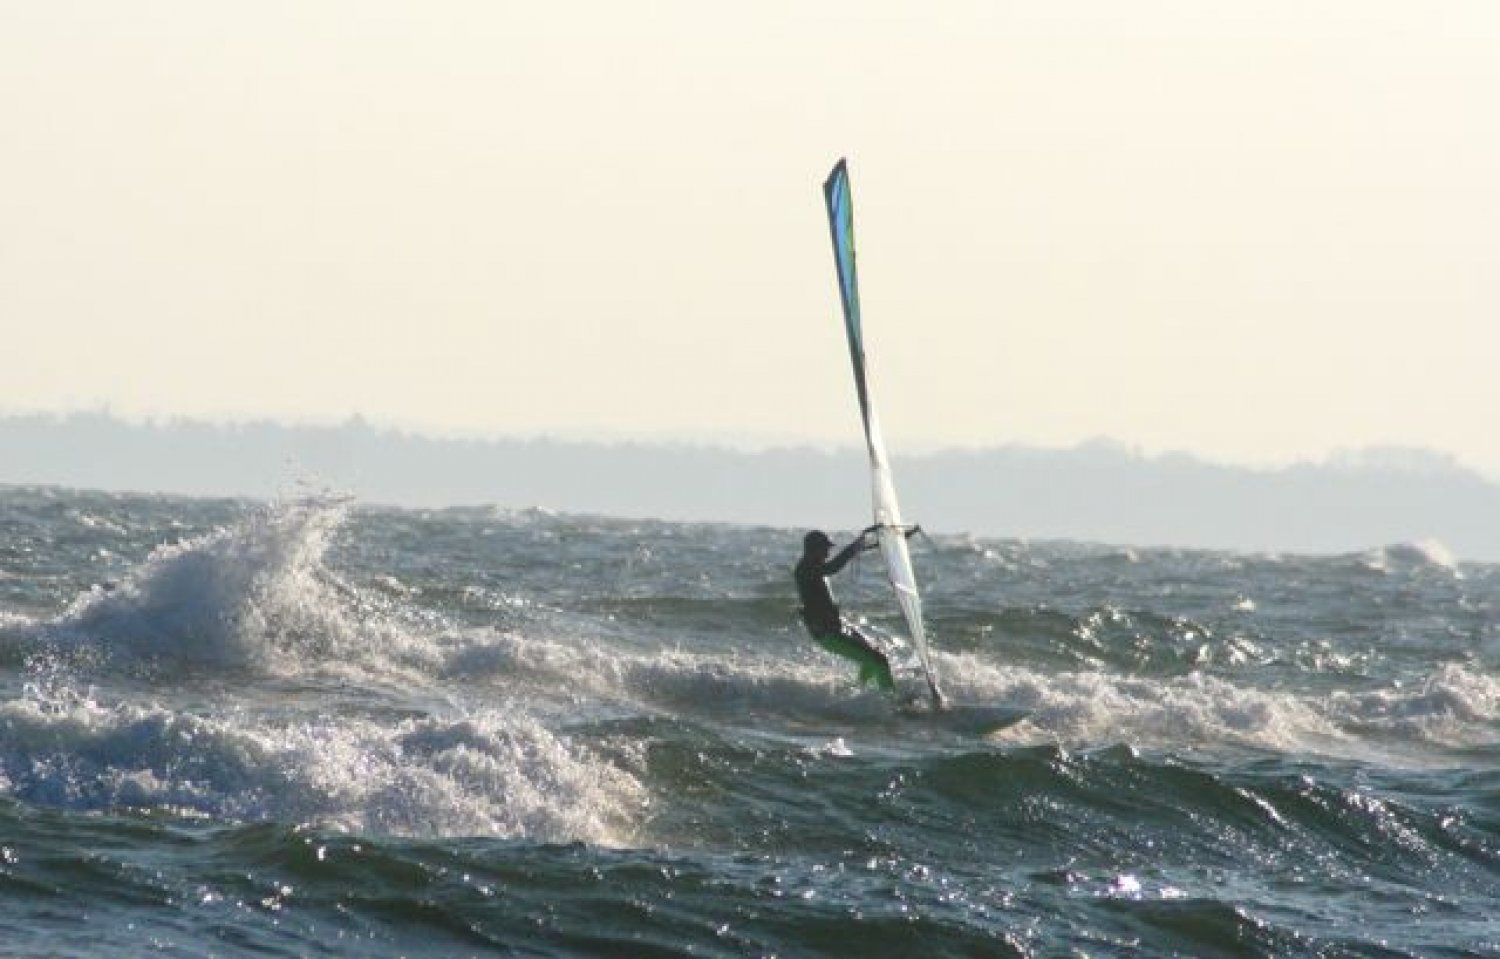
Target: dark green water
<point x="328" y="729"/>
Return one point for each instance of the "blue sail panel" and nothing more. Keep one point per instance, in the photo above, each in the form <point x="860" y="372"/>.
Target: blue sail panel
<point x="891" y="533"/>
<point x="840" y="202"/>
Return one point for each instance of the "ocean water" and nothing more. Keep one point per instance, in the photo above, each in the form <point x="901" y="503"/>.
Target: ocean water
<point x="325" y="728"/>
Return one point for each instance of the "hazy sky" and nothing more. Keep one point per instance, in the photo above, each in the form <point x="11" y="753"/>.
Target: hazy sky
<point x="1254" y="230"/>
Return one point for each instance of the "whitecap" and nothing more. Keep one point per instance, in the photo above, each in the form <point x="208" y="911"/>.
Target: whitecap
<point x="496" y="773"/>
<point x="253" y="596"/>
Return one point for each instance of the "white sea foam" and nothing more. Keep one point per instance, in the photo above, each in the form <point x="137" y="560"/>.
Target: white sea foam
<point x="801" y="689"/>
<point x="257" y="598"/>
<point x="791" y="683"/>
<point x="1426" y="554"/>
<point x="1194" y="712"/>
<point x="1454" y="706"/>
<point x="253" y="596"/>
<point x="493" y="773"/>
<point x="797" y="687"/>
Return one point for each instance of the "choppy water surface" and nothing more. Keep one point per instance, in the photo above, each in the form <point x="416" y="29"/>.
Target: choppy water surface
<point x="324" y="728"/>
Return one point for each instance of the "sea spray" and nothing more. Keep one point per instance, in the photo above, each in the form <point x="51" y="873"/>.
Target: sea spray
<point x="498" y="773"/>
<point x="366" y="731"/>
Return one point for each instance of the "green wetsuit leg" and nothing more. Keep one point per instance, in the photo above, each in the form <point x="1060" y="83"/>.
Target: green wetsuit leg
<point x="872" y="662"/>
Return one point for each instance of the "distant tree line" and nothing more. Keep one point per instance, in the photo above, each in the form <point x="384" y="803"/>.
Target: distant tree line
<point x="1100" y="491"/>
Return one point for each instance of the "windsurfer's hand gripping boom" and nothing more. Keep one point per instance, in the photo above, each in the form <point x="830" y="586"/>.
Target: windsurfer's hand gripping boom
<point x="865" y="533"/>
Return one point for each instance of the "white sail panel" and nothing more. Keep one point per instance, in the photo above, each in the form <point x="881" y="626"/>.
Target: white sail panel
<point x="891" y="533"/>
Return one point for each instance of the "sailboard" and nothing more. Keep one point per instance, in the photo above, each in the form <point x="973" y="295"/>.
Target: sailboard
<point x="888" y="526"/>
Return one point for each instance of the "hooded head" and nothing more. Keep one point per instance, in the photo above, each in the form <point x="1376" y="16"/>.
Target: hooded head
<point x="816" y="542"/>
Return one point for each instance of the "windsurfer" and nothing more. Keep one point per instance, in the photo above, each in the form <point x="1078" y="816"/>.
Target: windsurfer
<point x="820" y="613"/>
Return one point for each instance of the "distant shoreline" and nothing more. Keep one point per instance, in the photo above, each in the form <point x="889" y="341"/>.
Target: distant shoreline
<point x="1097" y="492"/>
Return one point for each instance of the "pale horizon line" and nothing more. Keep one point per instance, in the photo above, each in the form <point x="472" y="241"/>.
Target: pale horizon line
<point x="1406" y="456"/>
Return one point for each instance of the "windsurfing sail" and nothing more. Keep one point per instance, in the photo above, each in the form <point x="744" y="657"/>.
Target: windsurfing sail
<point x="891" y="533"/>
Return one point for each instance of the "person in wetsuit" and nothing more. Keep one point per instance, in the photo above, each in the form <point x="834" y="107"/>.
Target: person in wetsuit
<point x="820" y="614"/>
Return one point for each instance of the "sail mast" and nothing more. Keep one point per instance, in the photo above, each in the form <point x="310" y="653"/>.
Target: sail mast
<point x="891" y="534"/>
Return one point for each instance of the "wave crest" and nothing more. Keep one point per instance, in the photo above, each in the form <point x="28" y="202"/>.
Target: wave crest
<point x="252" y="596"/>
<point x="495" y="773"/>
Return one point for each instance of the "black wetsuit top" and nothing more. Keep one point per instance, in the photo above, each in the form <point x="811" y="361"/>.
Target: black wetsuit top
<point x="819" y="611"/>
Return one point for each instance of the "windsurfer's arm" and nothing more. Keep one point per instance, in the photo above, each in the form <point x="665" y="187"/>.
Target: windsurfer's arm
<point x="910" y="531"/>
<point x="841" y="559"/>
